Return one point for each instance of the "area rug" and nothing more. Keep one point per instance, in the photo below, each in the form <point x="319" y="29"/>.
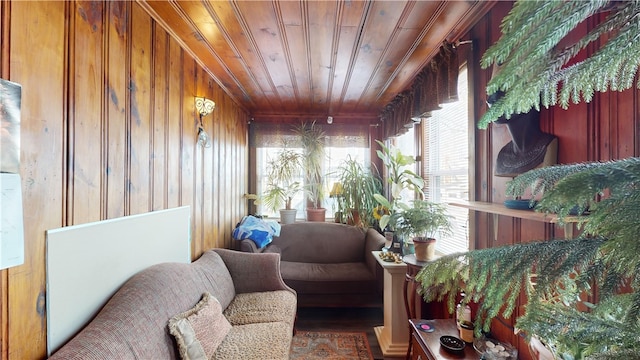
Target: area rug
<point x="311" y="345"/>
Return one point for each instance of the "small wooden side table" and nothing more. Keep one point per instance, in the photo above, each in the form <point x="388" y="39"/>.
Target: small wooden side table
<point x="412" y="300"/>
<point x="426" y="345"/>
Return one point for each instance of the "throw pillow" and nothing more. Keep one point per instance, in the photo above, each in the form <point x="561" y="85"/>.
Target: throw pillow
<point x="200" y="330"/>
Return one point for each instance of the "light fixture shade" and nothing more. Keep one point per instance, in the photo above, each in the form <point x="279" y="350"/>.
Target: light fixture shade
<point x="203" y="138"/>
<point x="336" y="190"/>
<point x="204" y="106"/>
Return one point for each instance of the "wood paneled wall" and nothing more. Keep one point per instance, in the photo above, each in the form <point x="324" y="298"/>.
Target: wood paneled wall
<point x="109" y="129"/>
<point x="605" y="129"/>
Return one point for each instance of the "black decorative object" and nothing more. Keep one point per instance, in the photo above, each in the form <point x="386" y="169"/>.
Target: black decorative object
<point x="452" y="344"/>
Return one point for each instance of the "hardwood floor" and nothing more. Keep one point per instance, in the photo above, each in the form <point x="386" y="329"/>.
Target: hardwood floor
<point x="343" y="319"/>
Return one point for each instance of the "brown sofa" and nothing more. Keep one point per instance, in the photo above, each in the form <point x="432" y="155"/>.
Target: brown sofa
<point x="134" y="324"/>
<point x="328" y="264"/>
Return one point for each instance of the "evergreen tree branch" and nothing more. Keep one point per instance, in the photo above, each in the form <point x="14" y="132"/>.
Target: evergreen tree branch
<point x="495" y="277"/>
<point x="581" y="334"/>
<point x="534" y="72"/>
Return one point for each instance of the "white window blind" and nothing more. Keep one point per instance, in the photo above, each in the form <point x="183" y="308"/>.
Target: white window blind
<point x="446" y="164"/>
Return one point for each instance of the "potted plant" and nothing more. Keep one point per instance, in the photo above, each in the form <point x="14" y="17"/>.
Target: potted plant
<point x="359" y="183"/>
<point x="282" y="186"/>
<point x="420" y="223"/>
<point x="400" y="177"/>
<point x="312" y="138"/>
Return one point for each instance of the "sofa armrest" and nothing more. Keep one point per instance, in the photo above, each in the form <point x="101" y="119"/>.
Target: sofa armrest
<point x="373" y="241"/>
<point x="249" y="246"/>
<point x="253" y="272"/>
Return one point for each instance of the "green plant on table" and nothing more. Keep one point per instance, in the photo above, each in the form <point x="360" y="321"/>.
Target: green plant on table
<point x="423" y="219"/>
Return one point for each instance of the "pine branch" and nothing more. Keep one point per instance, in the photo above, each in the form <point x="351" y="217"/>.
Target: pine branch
<point x="579" y="333"/>
<point x="534" y="72"/>
<point x="495" y="277"/>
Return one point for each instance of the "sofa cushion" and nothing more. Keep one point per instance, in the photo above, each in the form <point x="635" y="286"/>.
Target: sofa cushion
<point x="321" y="242"/>
<point x="200" y="330"/>
<point x="356" y="271"/>
<point x="258" y="307"/>
<point x="256" y="341"/>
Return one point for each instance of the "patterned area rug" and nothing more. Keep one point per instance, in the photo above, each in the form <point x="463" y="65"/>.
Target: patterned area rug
<point x="311" y="345"/>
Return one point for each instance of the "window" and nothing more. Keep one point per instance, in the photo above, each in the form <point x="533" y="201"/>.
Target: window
<point x="342" y="141"/>
<point x="445" y="166"/>
<point x="406" y="143"/>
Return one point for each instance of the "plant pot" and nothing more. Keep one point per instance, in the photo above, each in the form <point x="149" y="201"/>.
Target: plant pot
<point x="288" y="216"/>
<point x="425" y="248"/>
<point x="314" y="214"/>
<point x="354" y="219"/>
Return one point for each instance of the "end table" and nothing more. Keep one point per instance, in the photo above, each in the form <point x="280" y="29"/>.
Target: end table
<point x="426" y="345"/>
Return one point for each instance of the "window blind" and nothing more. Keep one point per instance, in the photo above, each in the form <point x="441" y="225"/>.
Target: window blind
<point x="446" y="164"/>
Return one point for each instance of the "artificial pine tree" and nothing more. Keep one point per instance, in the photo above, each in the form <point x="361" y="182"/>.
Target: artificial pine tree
<point x="555" y="275"/>
<point x="534" y="55"/>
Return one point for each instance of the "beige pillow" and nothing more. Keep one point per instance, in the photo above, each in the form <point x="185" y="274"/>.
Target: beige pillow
<point x="200" y="330"/>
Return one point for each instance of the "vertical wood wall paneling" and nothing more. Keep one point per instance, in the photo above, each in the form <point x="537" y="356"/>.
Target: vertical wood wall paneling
<point x="217" y="193"/>
<point x="484" y="230"/>
<point x="197" y="236"/>
<point x="222" y="179"/>
<point x="5" y="26"/>
<point x="208" y="180"/>
<point x="117" y="112"/>
<point x="37" y="62"/>
<point x="189" y="145"/>
<point x="159" y="119"/>
<point x="174" y="125"/>
<point x="140" y="183"/>
<point x="86" y="101"/>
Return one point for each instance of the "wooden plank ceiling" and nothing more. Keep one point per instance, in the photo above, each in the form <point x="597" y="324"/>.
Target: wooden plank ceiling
<point x="312" y="59"/>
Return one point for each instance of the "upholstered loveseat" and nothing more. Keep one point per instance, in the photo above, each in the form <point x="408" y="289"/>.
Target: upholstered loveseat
<point x="249" y="314"/>
<point x="328" y="264"/>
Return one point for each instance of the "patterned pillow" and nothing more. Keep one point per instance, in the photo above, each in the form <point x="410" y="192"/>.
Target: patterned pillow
<point x="200" y="330"/>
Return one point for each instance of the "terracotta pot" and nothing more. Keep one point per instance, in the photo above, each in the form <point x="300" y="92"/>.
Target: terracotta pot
<point x="316" y="214"/>
<point x="425" y="248"/>
<point x="354" y="219"/>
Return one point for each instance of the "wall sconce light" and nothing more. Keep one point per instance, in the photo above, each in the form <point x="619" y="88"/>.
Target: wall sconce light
<point x="204" y="107"/>
<point x="329" y="119"/>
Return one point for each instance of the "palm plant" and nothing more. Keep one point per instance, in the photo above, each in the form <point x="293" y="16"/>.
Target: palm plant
<point x="282" y="171"/>
<point x="312" y="138"/>
<point x="358" y="186"/>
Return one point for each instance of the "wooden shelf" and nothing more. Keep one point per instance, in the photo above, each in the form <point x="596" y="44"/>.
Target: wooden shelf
<point x="500" y="209"/>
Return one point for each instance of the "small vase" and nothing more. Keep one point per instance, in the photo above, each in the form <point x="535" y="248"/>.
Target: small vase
<point x="408" y="248"/>
<point x="425" y="248"/>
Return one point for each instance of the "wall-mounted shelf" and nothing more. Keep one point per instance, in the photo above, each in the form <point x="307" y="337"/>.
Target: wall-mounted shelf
<point x="500" y="209"/>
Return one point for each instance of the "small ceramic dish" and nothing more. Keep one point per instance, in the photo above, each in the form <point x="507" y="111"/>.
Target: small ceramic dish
<point x="452" y="343"/>
<point x="520" y="204"/>
<point x="494" y="349"/>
